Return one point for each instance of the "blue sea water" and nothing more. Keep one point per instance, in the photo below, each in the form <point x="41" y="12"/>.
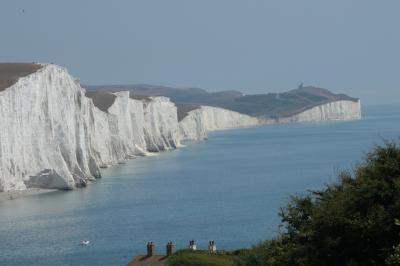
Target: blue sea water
<point x="228" y="189"/>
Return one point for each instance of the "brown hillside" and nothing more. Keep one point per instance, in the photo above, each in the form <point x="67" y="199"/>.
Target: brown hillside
<point x="11" y="72"/>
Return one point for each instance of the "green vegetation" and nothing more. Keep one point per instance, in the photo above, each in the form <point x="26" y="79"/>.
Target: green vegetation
<point x="352" y="222"/>
<point x="200" y="258"/>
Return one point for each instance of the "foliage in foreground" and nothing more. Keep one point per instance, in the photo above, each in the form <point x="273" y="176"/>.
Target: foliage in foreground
<point x="353" y="222"/>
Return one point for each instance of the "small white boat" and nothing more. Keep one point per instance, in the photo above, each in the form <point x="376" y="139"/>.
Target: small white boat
<point x="85" y="242"/>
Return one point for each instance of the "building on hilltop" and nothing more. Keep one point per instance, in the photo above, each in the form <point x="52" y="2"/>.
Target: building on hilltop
<point x="212" y="248"/>
<point x="192" y="245"/>
<point x="151" y="259"/>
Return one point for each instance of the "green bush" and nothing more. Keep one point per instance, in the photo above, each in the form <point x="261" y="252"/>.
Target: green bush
<point x="348" y="223"/>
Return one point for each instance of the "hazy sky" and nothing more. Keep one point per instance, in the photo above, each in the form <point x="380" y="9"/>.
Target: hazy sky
<point x="253" y="46"/>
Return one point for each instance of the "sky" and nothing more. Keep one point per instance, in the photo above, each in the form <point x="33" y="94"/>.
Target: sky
<point x="255" y="46"/>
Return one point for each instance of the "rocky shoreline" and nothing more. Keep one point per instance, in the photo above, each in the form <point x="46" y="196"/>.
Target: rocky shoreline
<point x="16" y="194"/>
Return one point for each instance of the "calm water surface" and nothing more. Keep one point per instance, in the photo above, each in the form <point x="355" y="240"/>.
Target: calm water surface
<point x="228" y="189"/>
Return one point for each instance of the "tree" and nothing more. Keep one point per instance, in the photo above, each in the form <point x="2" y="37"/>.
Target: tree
<point x="348" y="223"/>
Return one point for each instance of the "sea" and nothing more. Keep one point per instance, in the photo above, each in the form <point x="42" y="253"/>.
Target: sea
<point x="229" y="188"/>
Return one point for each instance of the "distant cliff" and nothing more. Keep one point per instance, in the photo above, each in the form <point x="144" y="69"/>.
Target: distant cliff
<point x="266" y="106"/>
<point x="54" y="134"/>
<point x="337" y="110"/>
<point x="204" y="119"/>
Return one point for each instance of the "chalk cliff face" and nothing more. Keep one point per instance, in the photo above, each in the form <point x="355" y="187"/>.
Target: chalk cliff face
<point x="52" y="135"/>
<point x="338" y="110"/>
<point x="161" y="129"/>
<point x="44" y="133"/>
<point x="200" y="121"/>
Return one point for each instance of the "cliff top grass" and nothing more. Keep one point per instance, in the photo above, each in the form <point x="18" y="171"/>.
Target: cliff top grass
<point x="102" y="99"/>
<point x="139" y="97"/>
<point x="184" y="109"/>
<point x="11" y="72"/>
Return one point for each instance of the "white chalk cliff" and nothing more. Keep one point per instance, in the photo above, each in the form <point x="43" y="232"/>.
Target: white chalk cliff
<point x="53" y="136"/>
<point x="337" y="110"/>
<point x="200" y="121"/>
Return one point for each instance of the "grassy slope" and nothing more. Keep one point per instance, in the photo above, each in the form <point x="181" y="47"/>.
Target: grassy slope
<point x="200" y="258"/>
<point x="11" y="72"/>
<point x="101" y="99"/>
